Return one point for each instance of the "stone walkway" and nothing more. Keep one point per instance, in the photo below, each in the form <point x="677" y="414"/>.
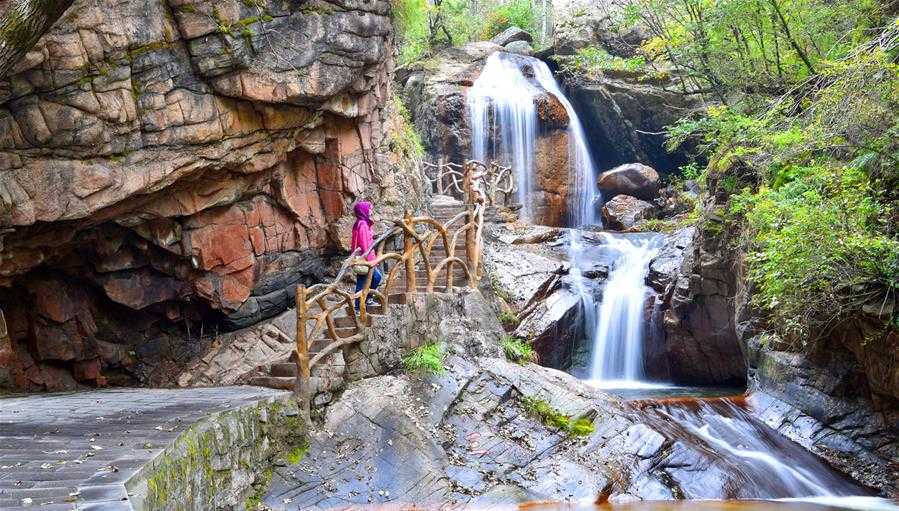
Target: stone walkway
<point x="76" y="450"/>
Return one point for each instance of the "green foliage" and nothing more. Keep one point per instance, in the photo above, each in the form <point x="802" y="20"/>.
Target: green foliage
<point x="405" y="141"/>
<point x="423" y="27"/>
<point x="508" y="318"/>
<point x="820" y="229"/>
<point x="514" y="13"/>
<point x="553" y="418"/>
<point x="753" y="46"/>
<point x="593" y="61"/>
<point x="518" y="350"/>
<point x="427" y="358"/>
<point x="818" y="250"/>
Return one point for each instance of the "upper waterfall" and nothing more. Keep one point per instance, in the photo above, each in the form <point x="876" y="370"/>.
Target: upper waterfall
<point x="504" y="127"/>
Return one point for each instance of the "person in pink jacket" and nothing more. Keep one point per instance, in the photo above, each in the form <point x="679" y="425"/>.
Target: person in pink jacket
<point x="362" y="240"/>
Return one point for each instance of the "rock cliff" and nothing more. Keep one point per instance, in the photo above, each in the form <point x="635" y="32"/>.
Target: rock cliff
<point x="171" y="169"/>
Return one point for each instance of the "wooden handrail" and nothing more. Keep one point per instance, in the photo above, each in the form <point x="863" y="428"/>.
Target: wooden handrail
<point x="317" y="305"/>
<point x="493" y="179"/>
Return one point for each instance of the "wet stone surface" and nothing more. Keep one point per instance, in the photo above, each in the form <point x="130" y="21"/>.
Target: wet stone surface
<point x="77" y="450"/>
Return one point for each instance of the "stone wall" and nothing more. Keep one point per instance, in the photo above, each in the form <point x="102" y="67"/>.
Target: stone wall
<point x="170" y="170"/>
<point x="223" y="460"/>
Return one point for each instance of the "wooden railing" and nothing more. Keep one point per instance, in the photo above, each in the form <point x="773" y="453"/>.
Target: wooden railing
<point x="407" y="250"/>
<point x="494" y="181"/>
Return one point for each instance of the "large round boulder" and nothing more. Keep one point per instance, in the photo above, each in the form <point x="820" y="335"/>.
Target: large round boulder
<point x="624" y="211"/>
<point x="634" y="179"/>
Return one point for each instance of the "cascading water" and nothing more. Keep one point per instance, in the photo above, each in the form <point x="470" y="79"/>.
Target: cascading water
<point x="503" y="121"/>
<point x="770" y="466"/>
<point x="617" y="359"/>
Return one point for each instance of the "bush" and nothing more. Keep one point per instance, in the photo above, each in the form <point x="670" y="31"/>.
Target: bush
<point x="427" y="358"/>
<point x="515" y="13"/>
<point x="405" y="140"/>
<point x="592" y="61"/>
<point x="816" y="254"/>
<point x="518" y="350"/>
<point x="554" y="418"/>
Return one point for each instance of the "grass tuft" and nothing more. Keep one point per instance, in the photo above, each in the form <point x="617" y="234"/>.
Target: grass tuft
<point x="428" y="358"/>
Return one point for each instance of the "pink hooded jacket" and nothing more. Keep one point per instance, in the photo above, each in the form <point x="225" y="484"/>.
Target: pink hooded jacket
<point x="362" y="236"/>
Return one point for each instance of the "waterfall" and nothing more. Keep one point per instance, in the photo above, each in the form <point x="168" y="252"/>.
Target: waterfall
<point x="503" y="121"/>
<point x="617" y="338"/>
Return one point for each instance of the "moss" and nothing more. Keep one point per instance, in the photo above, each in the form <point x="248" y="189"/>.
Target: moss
<point x="296" y="454"/>
<point x="554" y="418"/>
<point x="254" y="500"/>
<point x="137" y="51"/>
<point x="188" y="8"/>
<point x="508" y="319"/>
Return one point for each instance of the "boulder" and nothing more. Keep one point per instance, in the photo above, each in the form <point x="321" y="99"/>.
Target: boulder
<point x="511" y="35"/>
<point x="624" y="211"/>
<point x="634" y="179"/>
<point x="519" y="47"/>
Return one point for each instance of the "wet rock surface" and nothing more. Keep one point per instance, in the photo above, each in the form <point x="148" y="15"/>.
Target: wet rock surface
<point x="623" y="212"/>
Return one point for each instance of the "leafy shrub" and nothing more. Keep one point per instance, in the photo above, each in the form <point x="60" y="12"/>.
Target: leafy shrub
<point x="554" y="418"/>
<point x="427" y="358"/>
<point x="405" y="140"/>
<point x="518" y="350"/>
<point x="592" y="61"/>
<point x="514" y="13"/>
<point x="816" y="255"/>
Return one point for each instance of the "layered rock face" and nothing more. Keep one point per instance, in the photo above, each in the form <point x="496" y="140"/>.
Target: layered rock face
<point x="172" y="169"/>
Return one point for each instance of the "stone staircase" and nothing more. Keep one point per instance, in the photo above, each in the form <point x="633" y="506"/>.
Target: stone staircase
<point x="283" y="375"/>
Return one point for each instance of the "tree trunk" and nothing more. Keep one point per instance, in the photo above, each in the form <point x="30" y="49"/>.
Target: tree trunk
<point x="789" y="36"/>
<point x="22" y="23"/>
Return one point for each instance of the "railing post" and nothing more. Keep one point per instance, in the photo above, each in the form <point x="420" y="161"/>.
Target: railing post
<point x="440" y="189"/>
<point x="471" y="244"/>
<point x="303" y="373"/>
<point x="408" y="247"/>
<point x="467" y="184"/>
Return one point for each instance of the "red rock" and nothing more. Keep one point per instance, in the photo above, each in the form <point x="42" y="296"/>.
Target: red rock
<point x="220" y="245"/>
<point x="141" y="288"/>
<point x="57" y="342"/>
<point x="52" y="301"/>
<point x="86" y="370"/>
<point x="551" y="112"/>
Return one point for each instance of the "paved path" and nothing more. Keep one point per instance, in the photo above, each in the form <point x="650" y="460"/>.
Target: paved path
<point x="76" y="450"/>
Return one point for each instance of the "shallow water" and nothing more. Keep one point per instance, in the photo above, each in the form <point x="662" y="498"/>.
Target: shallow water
<point x="827" y="504"/>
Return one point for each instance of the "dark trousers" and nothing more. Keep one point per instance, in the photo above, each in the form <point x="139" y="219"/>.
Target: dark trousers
<point x="360" y="282"/>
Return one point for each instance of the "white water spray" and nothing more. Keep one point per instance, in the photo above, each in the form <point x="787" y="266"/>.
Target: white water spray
<point x="618" y="337"/>
<point x="503" y="121"/>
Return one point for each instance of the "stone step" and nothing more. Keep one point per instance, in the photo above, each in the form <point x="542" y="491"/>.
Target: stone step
<point x="274" y="382"/>
<point x="283" y="370"/>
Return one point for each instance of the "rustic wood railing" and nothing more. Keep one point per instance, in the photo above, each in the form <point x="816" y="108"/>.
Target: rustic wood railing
<point x="415" y="246"/>
<point x="494" y="181"/>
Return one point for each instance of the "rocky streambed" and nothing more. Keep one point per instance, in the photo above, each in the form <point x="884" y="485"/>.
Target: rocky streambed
<point x="487" y="431"/>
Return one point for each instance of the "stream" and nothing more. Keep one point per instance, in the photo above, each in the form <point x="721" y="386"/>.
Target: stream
<point x="774" y="472"/>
